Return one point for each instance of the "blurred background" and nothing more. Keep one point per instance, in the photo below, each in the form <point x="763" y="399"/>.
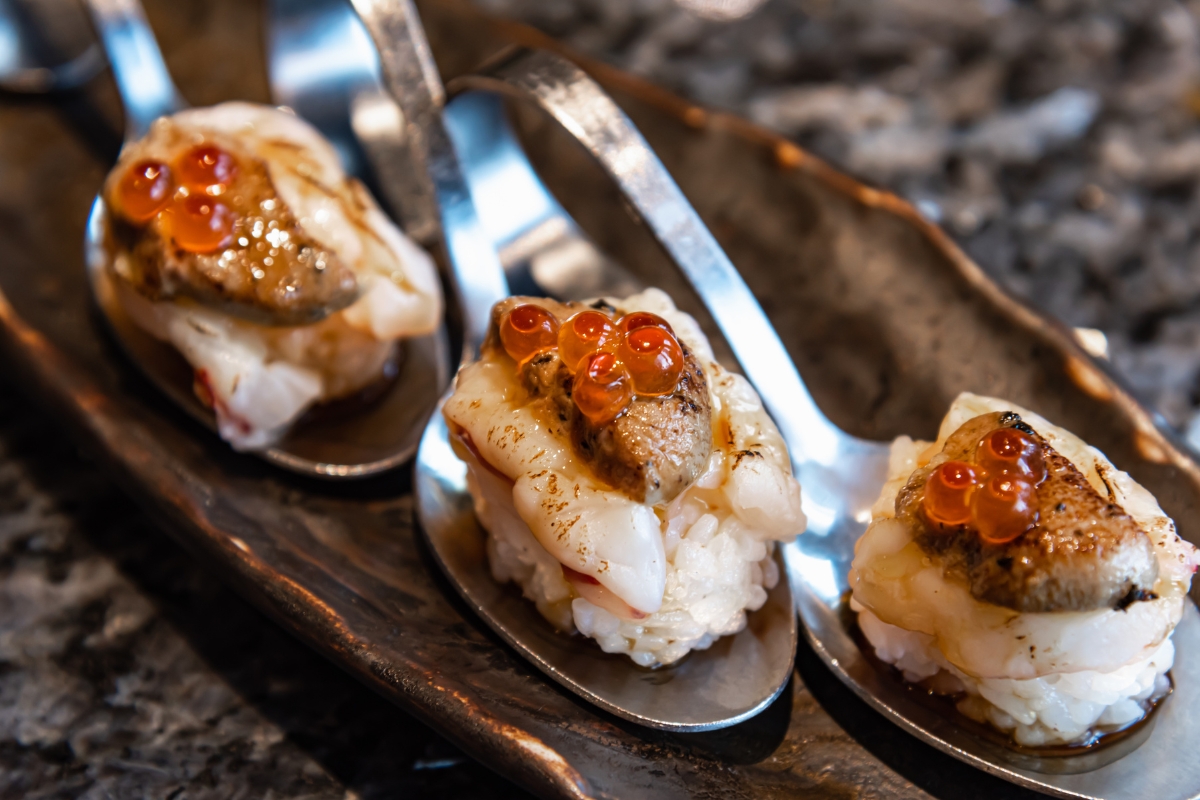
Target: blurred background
<point x="1056" y="140"/>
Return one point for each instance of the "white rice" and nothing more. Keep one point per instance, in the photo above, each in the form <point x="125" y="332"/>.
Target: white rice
<point x="718" y="535"/>
<point x="1036" y="704"/>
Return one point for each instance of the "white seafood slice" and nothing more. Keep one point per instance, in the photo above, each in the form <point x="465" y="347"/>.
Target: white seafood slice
<point x="592" y="529"/>
<point x="580" y="521"/>
<point x="894" y="579"/>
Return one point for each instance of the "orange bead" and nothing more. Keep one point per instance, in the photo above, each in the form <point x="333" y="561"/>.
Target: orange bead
<point x="1008" y="451"/>
<point x="582" y="335"/>
<point x="527" y="330"/>
<point x="948" y="491"/>
<point x="199" y="224"/>
<point x="654" y="360"/>
<point x="1003" y="508"/>
<point x="144" y="190"/>
<point x="602" y="389"/>
<point x="206" y="168"/>
<point x="642" y="319"/>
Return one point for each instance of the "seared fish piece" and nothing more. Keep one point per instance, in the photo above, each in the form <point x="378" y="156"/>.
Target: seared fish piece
<point x="1083" y="552"/>
<point x="234" y="235"/>
<point x="269" y="269"/>
<point x="655" y="449"/>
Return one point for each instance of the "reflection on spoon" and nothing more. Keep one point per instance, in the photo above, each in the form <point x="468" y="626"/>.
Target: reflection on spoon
<point x="229" y="235"/>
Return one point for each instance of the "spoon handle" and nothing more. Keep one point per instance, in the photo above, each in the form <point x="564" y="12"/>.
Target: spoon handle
<point x="146" y="88"/>
<point x="581" y="106"/>
<point x="411" y="77"/>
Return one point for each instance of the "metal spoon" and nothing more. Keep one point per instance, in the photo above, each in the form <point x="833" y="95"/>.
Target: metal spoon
<point x="374" y="439"/>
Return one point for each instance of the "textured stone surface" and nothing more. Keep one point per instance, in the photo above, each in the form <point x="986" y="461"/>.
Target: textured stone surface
<point x="127" y="670"/>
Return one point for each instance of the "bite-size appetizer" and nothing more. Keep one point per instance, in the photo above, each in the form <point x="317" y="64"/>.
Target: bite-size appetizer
<point x="234" y="235"/>
<point x="632" y="487"/>
<point x="1012" y="566"/>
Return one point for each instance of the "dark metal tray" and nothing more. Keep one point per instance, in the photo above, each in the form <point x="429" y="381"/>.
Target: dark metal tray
<point x="886" y="318"/>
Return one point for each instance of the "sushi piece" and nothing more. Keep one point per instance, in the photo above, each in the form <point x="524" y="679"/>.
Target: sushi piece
<point x="1013" y="567"/>
<point x="234" y="235"/>
<point x="629" y="484"/>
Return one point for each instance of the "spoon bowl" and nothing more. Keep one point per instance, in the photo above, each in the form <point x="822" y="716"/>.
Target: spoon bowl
<point x="544" y="249"/>
<point x="377" y="436"/>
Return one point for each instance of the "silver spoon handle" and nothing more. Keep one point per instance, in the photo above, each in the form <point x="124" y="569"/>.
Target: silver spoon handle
<point x="411" y="77"/>
<point x="146" y="88"/>
<point x="579" y="104"/>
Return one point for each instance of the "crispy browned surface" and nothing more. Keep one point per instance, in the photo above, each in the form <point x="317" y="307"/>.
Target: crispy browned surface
<point x="653" y="450"/>
<point x="1085" y="552"/>
<point x="287" y="281"/>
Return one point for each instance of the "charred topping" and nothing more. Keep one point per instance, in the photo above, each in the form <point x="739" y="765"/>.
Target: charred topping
<point x="649" y="445"/>
<point x="210" y="225"/>
<point x="1136" y="595"/>
<point x="1062" y="547"/>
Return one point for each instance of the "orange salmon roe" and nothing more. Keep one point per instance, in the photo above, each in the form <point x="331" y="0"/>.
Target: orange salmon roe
<point x="643" y="319"/>
<point x="199" y="224"/>
<point x="144" y="190"/>
<point x="654" y="360"/>
<point x="1007" y="451"/>
<point x="527" y="330"/>
<point x="997" y="494"/>
<point x="1004" y="508"/>
<point x="206" y="168"/>
<point x="582" y="335"/>
<point x="948" y="493"/>
<point x="602" y="388"/>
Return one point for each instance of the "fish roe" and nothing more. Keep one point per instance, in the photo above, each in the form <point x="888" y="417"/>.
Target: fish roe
<point x="527" y="330"/>
<point x="1008" y="451"/>
<point x="199" y="224"/>
<point x="582" y="335"/>
<point x="948" y="493"/>
<point x="206" y="168"/>
<point x="611" y="361"/>
<point x="144" y="190"/>
<point x="654" y="360"/>
<point x="602" y="389"/>
<point x="996" y="493"/>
